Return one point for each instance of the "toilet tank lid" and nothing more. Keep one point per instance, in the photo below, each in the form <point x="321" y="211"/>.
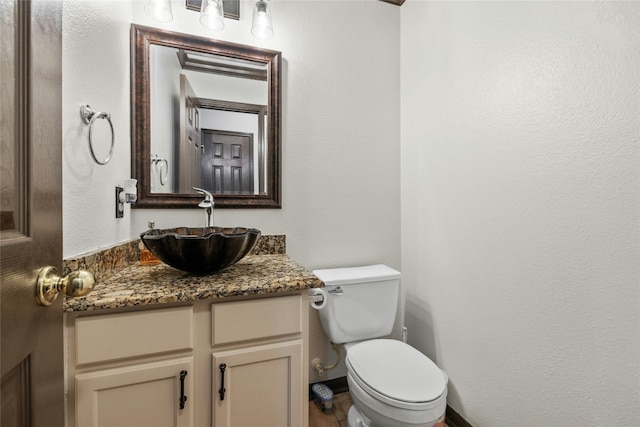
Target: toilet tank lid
<point x="349" y="275"/>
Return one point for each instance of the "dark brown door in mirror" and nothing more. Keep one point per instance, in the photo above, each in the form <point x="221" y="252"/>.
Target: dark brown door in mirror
<point x="227" y="162"/>
<point x="233" y="89"/>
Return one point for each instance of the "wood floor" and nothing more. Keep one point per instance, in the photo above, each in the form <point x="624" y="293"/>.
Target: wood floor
<point x="338" y="418"/>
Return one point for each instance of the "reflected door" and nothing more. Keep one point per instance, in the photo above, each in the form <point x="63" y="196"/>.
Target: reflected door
<point x="227" y="162"/>
<point x="190" y="151"/>
<point x="32" y="392"/>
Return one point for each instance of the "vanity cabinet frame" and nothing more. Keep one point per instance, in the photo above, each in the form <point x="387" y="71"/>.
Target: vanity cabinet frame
<point x="130" y="349"/>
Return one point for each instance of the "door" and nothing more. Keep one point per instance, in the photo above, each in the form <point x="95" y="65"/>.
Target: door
<point x="31" y="346"/>
<point x="227" y="162"/>
<point x="266" y="379"/>
<point x="157" y="394"/>
<point x="190" y="150"/>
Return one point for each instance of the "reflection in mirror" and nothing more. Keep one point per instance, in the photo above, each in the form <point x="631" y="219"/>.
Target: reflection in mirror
<point x="206" y="114"/>
<point x="219" y="107"/>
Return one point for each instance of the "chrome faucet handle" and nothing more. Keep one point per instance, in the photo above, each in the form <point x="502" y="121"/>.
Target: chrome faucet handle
<point x="208" y="198"/>
<point x="207" y="204"/>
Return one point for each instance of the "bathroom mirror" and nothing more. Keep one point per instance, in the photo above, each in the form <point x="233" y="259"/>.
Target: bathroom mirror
<point x="205" y="113"/>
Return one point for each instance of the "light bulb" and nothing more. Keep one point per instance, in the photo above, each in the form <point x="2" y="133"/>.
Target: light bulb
<point x="212" y="14"/>
<point x="160" y="10"/>
<point x="262" y="27"/>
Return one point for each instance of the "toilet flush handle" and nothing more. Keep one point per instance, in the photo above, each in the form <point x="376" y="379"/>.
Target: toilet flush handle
<point x="336" y="291"/>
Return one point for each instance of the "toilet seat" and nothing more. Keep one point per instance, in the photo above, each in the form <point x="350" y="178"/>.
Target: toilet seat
<point x="397" y="374"/>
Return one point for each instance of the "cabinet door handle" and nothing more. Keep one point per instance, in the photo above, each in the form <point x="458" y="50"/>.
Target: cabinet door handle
<point x="183" y="398"/>
<point x="222" y="367"/>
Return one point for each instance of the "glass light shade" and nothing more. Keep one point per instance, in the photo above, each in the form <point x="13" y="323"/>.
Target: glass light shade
<point x="212" y="14"/>
<point x="262" y="27"/>
<point x="160" y="10"/>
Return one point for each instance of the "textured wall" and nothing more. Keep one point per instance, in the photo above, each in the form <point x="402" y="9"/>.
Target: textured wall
<point x="340" y="127"/>
<point x="340" y="130"/>
<point x="520" y="126"/>
<point x="95" y="71"/>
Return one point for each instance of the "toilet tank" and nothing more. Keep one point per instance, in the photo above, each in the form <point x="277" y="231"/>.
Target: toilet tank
<point x="361" y="302"/>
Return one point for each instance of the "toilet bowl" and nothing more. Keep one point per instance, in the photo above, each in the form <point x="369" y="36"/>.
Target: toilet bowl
<point x="391" y="383"/>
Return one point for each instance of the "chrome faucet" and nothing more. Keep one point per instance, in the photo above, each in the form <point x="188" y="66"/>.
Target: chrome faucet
<point x="207" y="204"/>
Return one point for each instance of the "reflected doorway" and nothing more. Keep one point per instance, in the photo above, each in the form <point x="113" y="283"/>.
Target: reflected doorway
<point x="227" y="162"/>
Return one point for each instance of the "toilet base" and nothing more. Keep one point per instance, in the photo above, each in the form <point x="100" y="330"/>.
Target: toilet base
<point x="356" y="419"/>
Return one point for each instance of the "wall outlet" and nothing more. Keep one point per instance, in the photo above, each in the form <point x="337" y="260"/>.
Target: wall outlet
<point x="119" y="204"/>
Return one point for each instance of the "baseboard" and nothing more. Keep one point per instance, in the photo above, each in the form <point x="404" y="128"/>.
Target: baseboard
<point x="453" y="419"/>
<point x="340" y="385"/>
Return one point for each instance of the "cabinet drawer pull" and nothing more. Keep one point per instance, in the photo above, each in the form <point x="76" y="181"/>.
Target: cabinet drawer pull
<point x="183" y="398"/>
<point x="223" y="366"/>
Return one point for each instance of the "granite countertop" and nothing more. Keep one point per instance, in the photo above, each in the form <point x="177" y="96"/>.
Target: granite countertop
<point x="139" y="285"/>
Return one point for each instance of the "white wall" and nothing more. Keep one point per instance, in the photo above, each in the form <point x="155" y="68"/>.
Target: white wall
<point x="340" y="106"/>
<point x="340" y="130"/>
<point x="95" y="71"/>
<point x="520" y="206"/>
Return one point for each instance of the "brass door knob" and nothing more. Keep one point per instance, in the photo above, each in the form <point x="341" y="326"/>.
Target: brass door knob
<point x="75" y="284"/>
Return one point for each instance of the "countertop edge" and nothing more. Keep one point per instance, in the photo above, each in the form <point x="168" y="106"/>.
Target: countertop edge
<point x="141" y="286"/>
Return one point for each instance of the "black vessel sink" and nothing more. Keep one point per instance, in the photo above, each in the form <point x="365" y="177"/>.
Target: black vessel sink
<point x="200" y="250"/>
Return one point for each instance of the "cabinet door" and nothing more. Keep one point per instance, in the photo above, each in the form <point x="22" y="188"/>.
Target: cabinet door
<point x="136" y="396"/>
<point x="263" y="386"/>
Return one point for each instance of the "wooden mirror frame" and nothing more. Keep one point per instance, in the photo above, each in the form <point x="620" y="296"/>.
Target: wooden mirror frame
<point x="141" y="40"/>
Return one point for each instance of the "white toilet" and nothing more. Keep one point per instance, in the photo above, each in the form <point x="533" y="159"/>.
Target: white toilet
<point x="391" y="383"/>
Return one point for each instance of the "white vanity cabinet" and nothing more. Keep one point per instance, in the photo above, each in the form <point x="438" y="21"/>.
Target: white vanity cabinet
<point x="138" y="395"/>
<point x="259" y="380"/>
<point x="124" y="369"/>
<point x="128" y="368"/>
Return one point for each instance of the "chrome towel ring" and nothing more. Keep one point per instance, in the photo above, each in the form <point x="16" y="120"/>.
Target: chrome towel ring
<point x="89" y="116"/>
<point x="160" y="164"/>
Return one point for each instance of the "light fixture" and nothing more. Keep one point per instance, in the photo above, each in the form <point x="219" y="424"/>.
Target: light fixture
<point x="128" y="193"/>
<point x="262" y="27"/>
<point x="212" y="15"/>
<point x="160" y="10"/>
